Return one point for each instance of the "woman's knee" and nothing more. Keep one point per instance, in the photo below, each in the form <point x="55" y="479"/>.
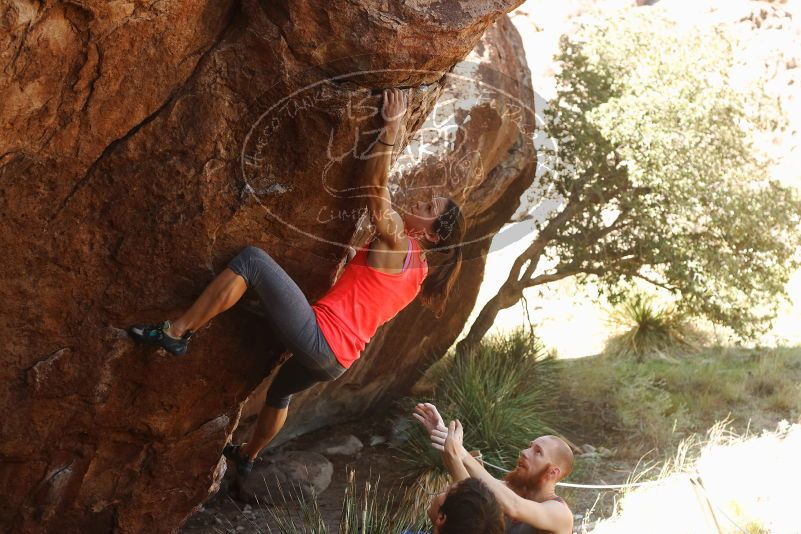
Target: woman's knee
<point x="252" y="252"/>
<point x="246" y="262"/>
<point x="291" y="379"/>
<point x="277" y="400"/>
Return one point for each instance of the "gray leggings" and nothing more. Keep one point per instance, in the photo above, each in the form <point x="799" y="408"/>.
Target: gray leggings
<point x="293" y="321"/>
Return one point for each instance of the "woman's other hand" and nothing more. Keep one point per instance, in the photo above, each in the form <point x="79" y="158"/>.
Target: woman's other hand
<point x="392" y="111"/>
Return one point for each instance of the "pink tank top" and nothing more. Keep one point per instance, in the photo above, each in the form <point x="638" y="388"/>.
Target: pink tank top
<point x="363" y="299"/>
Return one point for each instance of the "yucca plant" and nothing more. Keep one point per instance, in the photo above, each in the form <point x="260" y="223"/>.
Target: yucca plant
<point x="502" y="393"/>
<point x="374" y="512"/>
<point x="652" y="329"/>
<point x="301" y="515"/>
<point x="364" y="511"/>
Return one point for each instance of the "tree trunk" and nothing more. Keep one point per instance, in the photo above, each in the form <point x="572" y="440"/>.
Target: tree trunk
<point x="507" y="296"/>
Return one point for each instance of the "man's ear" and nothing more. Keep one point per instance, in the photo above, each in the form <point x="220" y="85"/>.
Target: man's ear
<point x="555" y="472"/>
<point x="440" y="520"/>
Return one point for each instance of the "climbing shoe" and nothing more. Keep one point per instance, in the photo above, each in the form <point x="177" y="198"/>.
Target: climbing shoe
<point x="156" y="334"/>
<point x="244" y="465"/>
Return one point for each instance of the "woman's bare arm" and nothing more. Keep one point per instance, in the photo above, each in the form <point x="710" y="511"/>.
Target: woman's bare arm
<point x="388" y="224"/>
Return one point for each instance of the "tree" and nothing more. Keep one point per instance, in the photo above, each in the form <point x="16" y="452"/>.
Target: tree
<point x="658" y="177"/>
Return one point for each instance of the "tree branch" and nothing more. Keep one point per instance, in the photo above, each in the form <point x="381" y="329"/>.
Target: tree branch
<point x="672" y="289"/>
<point x="573" y="269"/>
<point x="535" y="250"/>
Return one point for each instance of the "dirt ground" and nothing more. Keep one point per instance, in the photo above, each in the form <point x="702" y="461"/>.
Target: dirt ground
<point x="222" y="514"/>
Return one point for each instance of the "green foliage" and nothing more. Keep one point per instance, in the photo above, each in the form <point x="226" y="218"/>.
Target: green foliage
<point x="364" y="511"/>
<point x="652" y="329"/>
<point x="374" y="512"/>
<point x="657" y="402"/>
<point x="291" y="517"/>
<point x="645" y="408"/>
<point x="656" y="165"/>
<point x="502" y="392"/>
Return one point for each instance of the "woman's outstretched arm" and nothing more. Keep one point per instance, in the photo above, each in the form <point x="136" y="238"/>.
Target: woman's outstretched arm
<point x="388" y="223"/>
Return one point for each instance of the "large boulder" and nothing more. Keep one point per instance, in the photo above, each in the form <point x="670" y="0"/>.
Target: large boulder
<point x="142" y="145"/>
<point x="347" y="445"/>
<point x="476" y="146"/>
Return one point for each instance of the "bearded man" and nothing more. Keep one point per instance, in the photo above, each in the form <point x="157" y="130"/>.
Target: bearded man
<point x="527" y="495"/>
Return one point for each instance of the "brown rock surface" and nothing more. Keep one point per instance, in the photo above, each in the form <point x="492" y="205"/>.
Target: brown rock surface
<point x="484" y="159"/>
<point x="142" y="145"/>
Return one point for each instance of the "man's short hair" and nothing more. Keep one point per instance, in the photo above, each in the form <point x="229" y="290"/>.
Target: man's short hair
<point x="563" y="456"/>
<point x="471" y="508"/>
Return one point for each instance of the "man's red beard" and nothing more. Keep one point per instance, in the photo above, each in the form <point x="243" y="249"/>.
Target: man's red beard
<point x="522" y="483"/>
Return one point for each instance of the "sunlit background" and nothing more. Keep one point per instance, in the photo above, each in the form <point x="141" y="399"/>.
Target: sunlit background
<point x="707" y="495"/>
<point x="570" y="319"/>
<point x="749" y="482"/>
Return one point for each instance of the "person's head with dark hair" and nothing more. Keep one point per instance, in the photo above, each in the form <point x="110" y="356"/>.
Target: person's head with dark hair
<point x="442" y="227"/>
<point x="467" y="507"/>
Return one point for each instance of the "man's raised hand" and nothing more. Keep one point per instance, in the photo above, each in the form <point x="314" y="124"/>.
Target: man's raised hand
<point x="429" y="417"/>
<point x="438" y="437"/>
<point x="454" y="441"/>
<point x="450" y="441"/>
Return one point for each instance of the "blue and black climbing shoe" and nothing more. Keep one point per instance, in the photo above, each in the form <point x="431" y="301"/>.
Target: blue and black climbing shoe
<point x="156" y="334"/>
<point x="244" y="465"/>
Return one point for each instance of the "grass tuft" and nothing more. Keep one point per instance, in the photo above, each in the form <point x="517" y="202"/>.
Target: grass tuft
<point x="366" y="509"/>
<point x="651" y="330"/>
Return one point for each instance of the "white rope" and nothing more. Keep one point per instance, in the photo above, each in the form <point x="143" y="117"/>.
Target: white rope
<point x="585" y="486"/>
<point x="607" y="486"/>
<point x="695" y="480"/>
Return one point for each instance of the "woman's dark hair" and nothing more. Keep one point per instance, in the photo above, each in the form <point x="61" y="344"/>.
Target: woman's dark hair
<point x="471" y="508"/>
<point x="450" y="227"/>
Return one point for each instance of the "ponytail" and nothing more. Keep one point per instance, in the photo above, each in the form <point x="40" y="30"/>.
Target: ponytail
<point x="450" y="227"/>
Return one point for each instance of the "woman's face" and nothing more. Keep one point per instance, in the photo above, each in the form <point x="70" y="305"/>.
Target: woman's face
<point x="420" y="215"/>
<point x="433" y="513"/>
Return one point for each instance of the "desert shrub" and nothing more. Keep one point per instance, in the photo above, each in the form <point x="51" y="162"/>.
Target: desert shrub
<point x="366" y="509"/>
<point x="294" y="517"/>
<point x="371" y="511"/>
<point x="502" y="392"/>
<point x="651" y="329"/>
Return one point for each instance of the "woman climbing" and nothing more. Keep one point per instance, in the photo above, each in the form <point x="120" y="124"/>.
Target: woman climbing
<point x="327" y="337"/>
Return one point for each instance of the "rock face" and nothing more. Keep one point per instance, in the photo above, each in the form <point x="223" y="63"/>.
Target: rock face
<point x="141" y="146"/>
<point x="473" y="146"/>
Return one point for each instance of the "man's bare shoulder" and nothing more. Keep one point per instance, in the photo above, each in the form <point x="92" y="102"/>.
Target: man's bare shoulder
<point x="560" y="507"/>
<point x="558" y="503"/>
<point x="556" y="507"/>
